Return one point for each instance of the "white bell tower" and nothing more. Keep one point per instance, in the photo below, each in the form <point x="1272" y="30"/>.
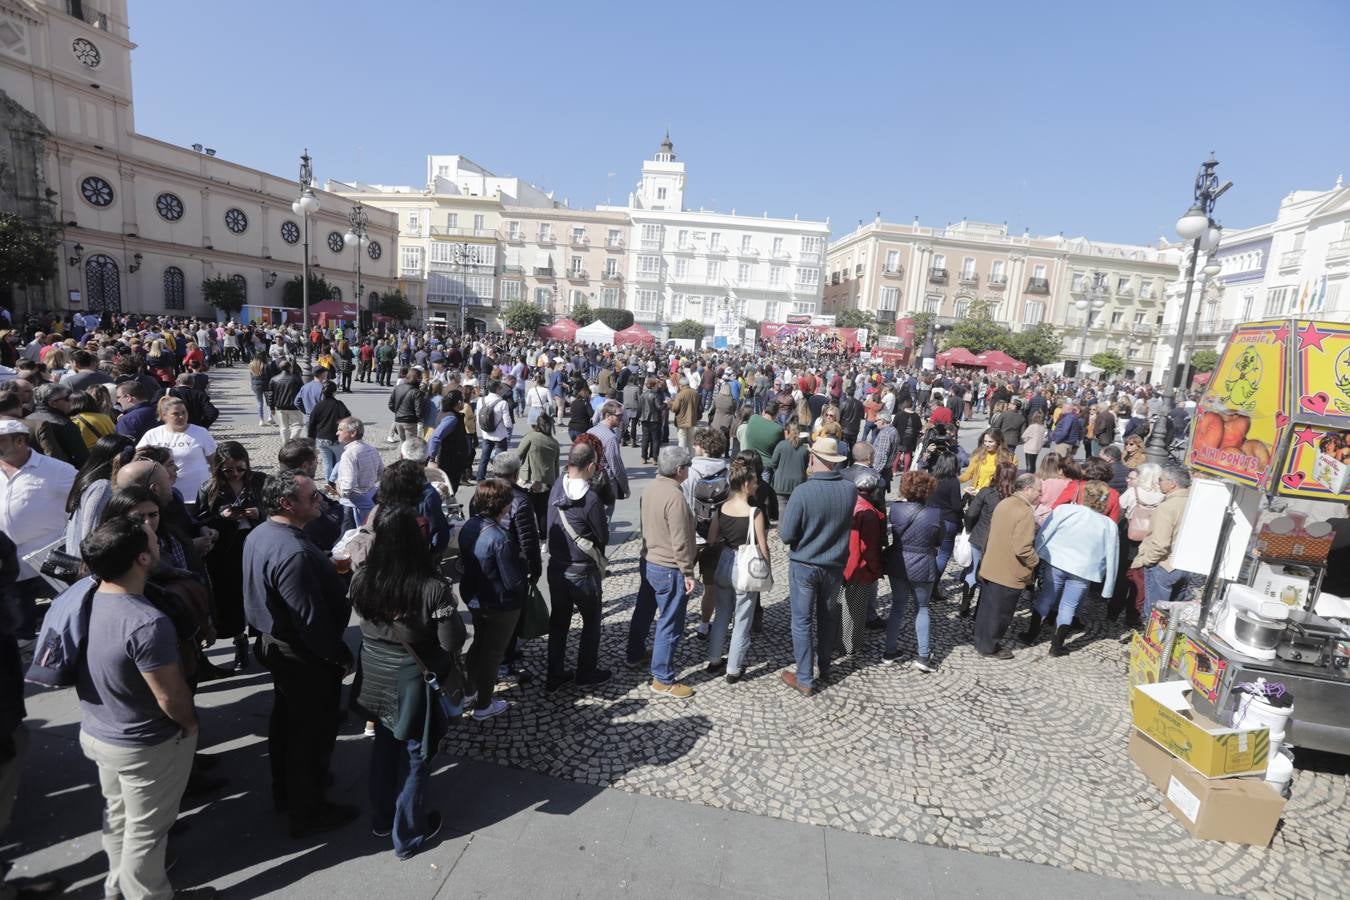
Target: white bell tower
<point x="662" y="185"/>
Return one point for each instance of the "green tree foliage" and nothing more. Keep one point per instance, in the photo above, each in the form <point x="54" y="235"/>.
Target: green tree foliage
<point x="854" y="318"/>
<point x="618" y="319"/>
<point x="524" y="316"/>
<point x="394" y="305"/>
<point x="1036" y="346"/>
<point x="27" y="252"/>
<point x="582" y="314"/>
<point x="1204" y="361"/>
<point x="223" y="293"/>
<point x="687" y="329"/>
<point x="1109" y="362"/>
<point x="292" y="292"/>
<point x="977" y="331"/>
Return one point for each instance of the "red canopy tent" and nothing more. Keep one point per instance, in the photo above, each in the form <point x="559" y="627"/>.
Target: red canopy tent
<point x="998" y="361"/>
<point x="561" y="330"/>
<point x="635" y="334"/>
<point x="338" y="309"/>
<point x="959" y="356"/>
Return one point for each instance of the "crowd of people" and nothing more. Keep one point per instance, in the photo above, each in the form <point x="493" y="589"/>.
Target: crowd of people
<point x="171" y="540"/>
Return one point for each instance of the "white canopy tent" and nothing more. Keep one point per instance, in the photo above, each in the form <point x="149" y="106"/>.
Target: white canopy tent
<point x="596" y="333"/>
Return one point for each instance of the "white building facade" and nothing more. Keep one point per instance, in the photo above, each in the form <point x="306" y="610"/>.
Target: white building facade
<point x="720" y="269"/>
<point x="143" y="223"/>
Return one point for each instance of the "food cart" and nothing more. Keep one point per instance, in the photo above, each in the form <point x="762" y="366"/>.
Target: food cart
<point x="1271" y="430"/>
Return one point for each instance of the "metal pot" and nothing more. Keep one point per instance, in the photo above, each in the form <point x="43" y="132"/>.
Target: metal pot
<point x="1257" y="632"/>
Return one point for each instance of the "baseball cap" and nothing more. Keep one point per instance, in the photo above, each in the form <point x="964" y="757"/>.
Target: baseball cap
<point x="13" y="426"/>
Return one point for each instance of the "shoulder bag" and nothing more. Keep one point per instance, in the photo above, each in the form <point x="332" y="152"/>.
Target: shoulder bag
<point x="585" y="545"/>
<point x="751" y="572"/>
<point x="450" y="690"/>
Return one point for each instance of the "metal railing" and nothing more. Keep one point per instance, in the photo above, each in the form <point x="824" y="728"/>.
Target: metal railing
<point x="615" y="244"/>
<point x="894" y="271"/>
<point x="513" y="237"/>
<point x="748" y="251"/>
<point x="544" y="272"/>
<point x="1291" y="259"/>
<point x="1038" y="285"/>
<point x="577" y="274"/>
<point x="937" y="275"/>
<point x="447" y="231"/>
<point x="546" y="237"/>
<point x="612" y="276"/>
<point x="997" y="281"/>
<point x="581" y="241"/>
<point x="970" y="278"/>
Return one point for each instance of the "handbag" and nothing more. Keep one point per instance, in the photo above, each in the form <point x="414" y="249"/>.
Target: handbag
<point x="751" y="572"/>
<point x="534" y="617"/>
<point x="585" y="545"/>
<point x="962" y="551"/>
<point x="62" y="566"/>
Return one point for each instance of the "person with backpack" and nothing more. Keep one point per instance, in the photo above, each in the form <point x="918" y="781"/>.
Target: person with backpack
<point x="407" y="402"/>
<point x="493" y="417"/>
<point x="706" y="486"/>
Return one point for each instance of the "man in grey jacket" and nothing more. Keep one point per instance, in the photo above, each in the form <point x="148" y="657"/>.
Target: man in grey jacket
<point x="611" y="414"/>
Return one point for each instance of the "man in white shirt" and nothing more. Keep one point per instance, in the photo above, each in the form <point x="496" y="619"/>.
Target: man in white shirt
<point x="358" y="473"/>
<point x="33" y="491"/>
<point x="498" y="438"/>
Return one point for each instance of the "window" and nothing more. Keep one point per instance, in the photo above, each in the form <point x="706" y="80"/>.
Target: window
<point x="811" y="247"/>
<point x="170" y="208"/>
<point x="1332" y="298"/>
<point x="1116" y="319"/>
<point x="478" y="224"/>
<point x="771" y="311"/>
<point x="545" y="233"/>
<point x="962" y="308"/>
<point x="614" y="239"/>
<point x="996" y="273"/>
<point x="939" y="261"/>
<point x="442" y="253"/>
<point x="892" y="260"/>
<point x="681" y="269"/>
<point x="804" y="309"/>
<point x="578" y="235"/>
<point x="609" y="298"/>
<point x="715" y="240"/>
<point x="574" y="299"/>
<point x="611" y="268"/>
<point x="1146" y="288"/>
<point x="1298" y="240"/>
<point x="1038" y="271"/>
<point x="890" y="298"/>
<point x="1033" y="312"/>
<point x="777" y="246"/>
<point x="714" y="271"/>
<point x="241" y="282"/>
<point x="648" y="265"/>
<point x="968" y="268"/>
<point x="808" y="277"/>
<point x="1078" y="282"/>
<point x="513" y="231"/>
<point x="1139" y="318"/>
<point x="578" y="265"/>
<point x="452" y="220"/>
<point x="1123" y="284"/>
<point x="776" y="274"/>
<point x="745" y="243"/>
<point x="647" y="302"/>
<point x="411" y="262"/>
<point x="743" y="273"/>
<point x="651" y="237"/>
<point x="543" y="297"/>
<point x="98" y="192"/>
<point x="682" y="238"/>
<point x="414" y="221"/>
<point x="511" y="291"/>
<point x="175" y="289"/>
<point x="660" y="193"/>
<point x="1275" y="301"/>
<point x="676" y="307"/>
<point x="235" y="220"/>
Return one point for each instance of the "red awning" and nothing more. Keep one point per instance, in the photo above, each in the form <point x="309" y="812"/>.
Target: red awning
<point x="998" y="361"/>
<point x="561" y="330"/>
<point x="634" y="334"/>
<point x="958" y="356"/>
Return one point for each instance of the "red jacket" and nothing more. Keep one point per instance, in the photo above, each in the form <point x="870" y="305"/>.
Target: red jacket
<point x="866" y="543"/>
<point x="1070" y="495"/>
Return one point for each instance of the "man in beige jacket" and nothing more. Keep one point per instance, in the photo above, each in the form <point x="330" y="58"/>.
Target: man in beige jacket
<point x="1008" y="565"/>
<point x="1161" y="581"/>
<point x="669" y="552"/>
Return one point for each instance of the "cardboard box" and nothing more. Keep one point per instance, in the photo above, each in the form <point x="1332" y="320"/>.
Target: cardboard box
<point x="1144" y="661"/>
<point x="1163" y="712"/>
<point x="1235" y="810"/>
<point x="1155" y="629"/>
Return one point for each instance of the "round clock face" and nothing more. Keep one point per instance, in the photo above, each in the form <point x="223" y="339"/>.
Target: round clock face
<point x="290" y="232"/>
<point x="170" y="207"/>
<point x="236" y="221"/>
<point x="374" y="251"/>
<point x="335" y="242"/>
<point x="86" y="52"/>
<point x="96" y="191"/>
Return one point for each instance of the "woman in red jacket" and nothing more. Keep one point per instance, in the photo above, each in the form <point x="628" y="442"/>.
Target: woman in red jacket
<point x="866" y="542"/>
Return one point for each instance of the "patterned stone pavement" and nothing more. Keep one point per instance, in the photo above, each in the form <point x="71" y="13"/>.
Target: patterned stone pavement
<point x="1024" y="759"/>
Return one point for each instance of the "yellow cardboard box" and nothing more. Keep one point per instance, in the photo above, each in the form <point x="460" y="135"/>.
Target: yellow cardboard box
<point x="1164" y="713"/>
<point x="1144" y="661"/>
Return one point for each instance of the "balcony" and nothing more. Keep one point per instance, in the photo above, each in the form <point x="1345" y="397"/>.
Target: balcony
<point x="545" y="239"/>
<point x="614" y="244"/>
<point x="937" y="276"/>
<point x="970" y="278"/>
<point x="513" y="270"/>
<point x="748" y="252"/>
<point x="580" y="241"/>
<point x="544" y="272"/>
<point x="514" y="237"/>
<point x="577" y="275"/>
<point x="410" y="272"/>
<point x="681" y="247"/>
<point x="1038" y="285"/>
<point x="885" y="316"/>
<point x="858" y="269"/>
<point x="652" y="244"/>
<point x="612" y="276"/>
<point x="718" y="250"/>
<point x="1126" y="291"/>
<point x="834" y="278"/>
<point x="997" y="282"/>
<point x="893" y="271"/>
<point x="446" y="231"/>
<point x="1291" y="259"/>
<point x="655" y="276"/>
<point x="1338" y="249"/>
<point x="1148" y="294"/>
<point x="781" y="254"/>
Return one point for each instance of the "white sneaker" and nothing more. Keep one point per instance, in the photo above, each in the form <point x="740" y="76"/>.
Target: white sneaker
<point x="370" y="729"/>
<point x="495" y="708"/>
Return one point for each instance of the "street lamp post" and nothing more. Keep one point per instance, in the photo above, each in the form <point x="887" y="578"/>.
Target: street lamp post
<point x="461" y="257"/>
<point x="1094" y="300"/>
<point x="1199" y="227"/>
<point x="356" y="237"/>
<point x="928" y="355"/>
<point x="1208" y="271"/>
<point x="304" y="207"/>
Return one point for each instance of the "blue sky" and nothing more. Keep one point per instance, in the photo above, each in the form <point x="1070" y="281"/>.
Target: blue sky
<point x="1086" y="118"/>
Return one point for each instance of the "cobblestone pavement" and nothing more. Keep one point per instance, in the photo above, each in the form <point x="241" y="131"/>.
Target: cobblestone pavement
<point x="1024" y="759"/>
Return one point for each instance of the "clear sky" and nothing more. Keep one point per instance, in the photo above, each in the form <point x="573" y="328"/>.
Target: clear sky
<point x="1087" y="118"/>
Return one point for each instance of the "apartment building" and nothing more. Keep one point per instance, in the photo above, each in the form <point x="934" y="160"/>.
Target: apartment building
<point x="560" y="257"/>
<point x="144" y="222"/>
<point x="892" y="271"/>
<point x="721" y="269"/>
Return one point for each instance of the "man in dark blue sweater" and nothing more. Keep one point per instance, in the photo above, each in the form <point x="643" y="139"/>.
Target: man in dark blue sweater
<point x="815" y="526"/>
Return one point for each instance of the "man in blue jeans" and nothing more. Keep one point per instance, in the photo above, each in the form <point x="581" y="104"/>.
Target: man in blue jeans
<point x="815" y="526"/>
<point x="669" y="553"/>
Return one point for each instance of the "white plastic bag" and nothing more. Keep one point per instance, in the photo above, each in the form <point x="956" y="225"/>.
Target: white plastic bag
<point x="961" y="550"/>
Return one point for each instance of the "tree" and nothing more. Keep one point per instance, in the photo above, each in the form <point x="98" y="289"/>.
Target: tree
<point x="854" y="318"/>
<point x="1204" y="361"/>
<point x="524" y="316"/>
<point x="1109" y="362"/>
<point x="687" y="329"/>
<point x="977" y="331"/>
<point x="1038" y="345"/>
<point x="292" y="292"/>
<point x="394" y="305"/>
<point x="27" y="252"/>
<point x="582" y="314"/>
<point x="618" y="319"/>
<point x="224" y="294"/>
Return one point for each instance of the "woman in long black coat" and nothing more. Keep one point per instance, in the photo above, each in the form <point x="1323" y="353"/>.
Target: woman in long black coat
<point x="231" y="503"/>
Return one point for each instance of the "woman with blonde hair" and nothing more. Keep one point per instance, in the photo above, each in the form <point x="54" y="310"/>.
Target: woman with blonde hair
<point x="191" y="445"/>
<point x="979" y="473"/>
<point x="1078" y="546"/>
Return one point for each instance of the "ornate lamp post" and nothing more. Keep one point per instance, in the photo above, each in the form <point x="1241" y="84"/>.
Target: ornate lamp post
<point x="356" y="237"/>
<point x="1199" y="227"/>
<point x="304" y="207"/>
<point x="1093" y="301"/>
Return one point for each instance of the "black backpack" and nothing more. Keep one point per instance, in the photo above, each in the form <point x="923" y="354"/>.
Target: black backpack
<point x="487" y="415"/>
<point x="710" y="492"/>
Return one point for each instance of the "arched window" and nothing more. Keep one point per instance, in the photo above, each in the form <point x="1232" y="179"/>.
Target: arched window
<point x="335" y="293"/>
<point x="373" y="300"/>
<point x="102" y="284"/>
<point x="175" y="288"/>
<point x="240" y="282"/>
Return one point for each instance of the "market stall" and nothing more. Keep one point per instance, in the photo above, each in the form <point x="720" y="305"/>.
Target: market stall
<point x="635" y="334"/>
<point x="1270" y="446"/>
<point x="996" y="362"/>
<point x="595" y="333"/>
<point x="561" y="330"/>
<point x="959" y="356"/>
